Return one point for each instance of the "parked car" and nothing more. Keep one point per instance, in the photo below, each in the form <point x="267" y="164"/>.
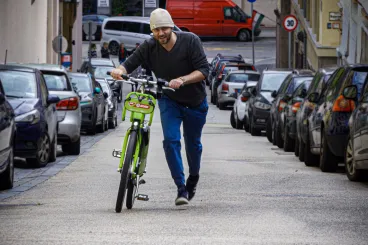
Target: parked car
<point x="93" y="104"/>
<point x="129" y="30"/>
<point x="68" y="109"/>
<point x="7" y="138"/>
<point x="233" y="83"/>
<point x="112" y="103"/>
<point x="95" y="62"/>
<point x="306" y="107"/>
<point x="239" y="114"/>
<point x="328" y="123"/>
<point x="289" y="113"/>
<point x="222" y="72"/>
<point x="356" y="152"/>
<point x="260" y="102"/>
<point x="221" y="18"/>
<point x="281" y="98"/>
<point x="216" y="62"/>
<point x="35" y="113"/>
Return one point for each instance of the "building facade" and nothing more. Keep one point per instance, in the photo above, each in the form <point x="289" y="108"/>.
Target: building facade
<point x="354" y="40"/>
<point x="28" y="28"/>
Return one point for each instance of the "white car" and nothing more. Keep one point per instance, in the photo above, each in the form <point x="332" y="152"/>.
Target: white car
<point x="233" y="83"/>
<point x="240" y="110"/>
<point x="129" y="30"/>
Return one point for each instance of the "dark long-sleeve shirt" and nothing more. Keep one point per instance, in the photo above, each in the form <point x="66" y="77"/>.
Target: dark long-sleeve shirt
<point x="186" y="56"/>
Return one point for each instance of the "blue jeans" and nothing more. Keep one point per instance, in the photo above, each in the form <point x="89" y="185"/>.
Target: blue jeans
<point x="193" y="119"/>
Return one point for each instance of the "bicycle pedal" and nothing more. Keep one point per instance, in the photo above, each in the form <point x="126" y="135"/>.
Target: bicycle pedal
<point x="142" y="182"/>
<point x="142" y="197"/>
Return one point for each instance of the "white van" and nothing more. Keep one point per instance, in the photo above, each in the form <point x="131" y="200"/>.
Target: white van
<point x="126" y="29"/>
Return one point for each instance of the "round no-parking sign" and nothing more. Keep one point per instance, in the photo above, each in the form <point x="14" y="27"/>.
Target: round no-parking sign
<point x="290" y="23"/>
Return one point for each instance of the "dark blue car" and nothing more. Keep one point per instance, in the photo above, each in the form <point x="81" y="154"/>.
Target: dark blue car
<point x="35" y="114"/>
<point x="7" y="134"/>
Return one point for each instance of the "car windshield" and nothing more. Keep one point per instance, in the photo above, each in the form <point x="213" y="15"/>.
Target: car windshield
<point x="105" y="88"/>
<point x="297" y="82"/>
<point x="81" y="84"/>
<point x="56" y="82"/>
<point x="272" y="81"/>
<point x="19" y="84"/>
<point x="100" y="72"/>
<point x="241" y="78"/>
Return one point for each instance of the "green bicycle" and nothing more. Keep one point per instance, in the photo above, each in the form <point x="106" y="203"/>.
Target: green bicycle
<point x="133" y="156"/>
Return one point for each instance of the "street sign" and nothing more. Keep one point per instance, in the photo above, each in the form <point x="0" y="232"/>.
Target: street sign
<point x="150" y="4"/>
<point x="252" y="1"/>
<point x="290" y="23"/>
<point x="59" y="44"/>
<point x="93" y="27"/>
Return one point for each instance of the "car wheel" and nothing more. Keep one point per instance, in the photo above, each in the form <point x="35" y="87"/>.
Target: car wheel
<point x="221" y="106"/>
<point x="274" y="134"/>
<point x="244" y="35"/>
<point x="7" y="177"/>
<point x="279" y="139"/>
<point x="296" y="147"/>
<point x="73" y="148"/>
<point x="43" y="152"/>
<point x="301" y="150"/>
<point x="101" y="127"/>
<point x="288" y="142"/>
<point x="92" y="131"/>
<point x="352" y="173"/>
<point x="53" y="150"/>
<point x="246" y="124"/>
<point x="114" y="48"/>
<point x="269" y="131"/>
<point x="252" y="129"/>
<point x="328" y="162"/>
<point x="309" y="158"/>
<point x="232" y="120"/>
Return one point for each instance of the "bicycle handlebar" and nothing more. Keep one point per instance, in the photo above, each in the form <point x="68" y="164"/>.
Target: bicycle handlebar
<point x="160" y="82"/>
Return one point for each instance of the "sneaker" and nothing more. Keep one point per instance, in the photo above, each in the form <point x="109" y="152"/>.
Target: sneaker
<point x="192" y="185"/>
<point x="182" y="198"/>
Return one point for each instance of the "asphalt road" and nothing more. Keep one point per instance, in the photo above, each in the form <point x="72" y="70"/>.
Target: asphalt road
<point x="249" y="193"/>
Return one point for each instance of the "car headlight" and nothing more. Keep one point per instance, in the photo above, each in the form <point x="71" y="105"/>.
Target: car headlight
<point x="31" y="117"/>
<point x="262" y="106"/>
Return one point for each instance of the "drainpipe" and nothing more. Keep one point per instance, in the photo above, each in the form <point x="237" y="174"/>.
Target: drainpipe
<point x="305" y="50"/>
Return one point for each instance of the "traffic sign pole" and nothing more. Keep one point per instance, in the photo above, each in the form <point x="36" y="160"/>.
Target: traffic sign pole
<point x="290" y="23"/>
<point x="251" y="10"/>
<point x="89" y="39"/>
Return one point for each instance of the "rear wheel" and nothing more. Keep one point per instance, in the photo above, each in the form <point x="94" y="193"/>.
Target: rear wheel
<point x="288" y="142"/>
<point x="269" y="131"/>
<point x="328" y="161"/>
<point x="246" y="124"/>
<point x="301" y="150"/>
<point x="352" y="173"/>
<point x="253" y="130"/>
<point x="309" y="158"/>
<point x="232" y="120"/>
<point x="279" y="139"/>
<point x="129" y="157"/>
<point x="114" y="48"/>
<point x="7" y="177"/>
<point x="296" y="147"/>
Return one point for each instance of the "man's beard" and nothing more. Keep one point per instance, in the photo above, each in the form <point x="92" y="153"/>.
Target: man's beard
<point x="165" y="39"/>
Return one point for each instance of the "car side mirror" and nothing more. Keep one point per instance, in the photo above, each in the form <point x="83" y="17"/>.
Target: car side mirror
<point x="97" y="90"/>
<point x="313" y="97"/>
<point x="274" y="94"/>
<point x="53" y="99"/>
<point x="105" y="95"/>
<point x="350" y="92"/>
<point x="2" y="98"/>
<point x="246" y="94"/>
<point x="253" y="92"/>
<point x="286" y="97"/>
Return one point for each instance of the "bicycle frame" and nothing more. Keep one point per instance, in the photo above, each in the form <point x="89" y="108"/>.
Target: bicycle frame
<point x="140" y="105"/>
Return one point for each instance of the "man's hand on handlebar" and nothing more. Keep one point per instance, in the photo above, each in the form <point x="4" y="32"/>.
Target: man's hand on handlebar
<point x="117" y="74"/>
<point x="176" y="83"/>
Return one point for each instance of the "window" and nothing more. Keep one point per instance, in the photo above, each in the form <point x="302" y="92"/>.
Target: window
<point x="295" y="83"/>
<point x="272" y="81"/>
<point x="358" y="78"/>
<point x="365" y="93"/>
<point x="334" y="84"/>
<point x="82" y="84"/>
<point x="285" y="84"/>
<point x="57" y="82"/>
<point x="315" y="83"/>
<point x="233" y="14"/>
<point x="146" y="29"/>
<point x="228" y="13"/>
<point x="114" y="25"/>
<point x="44" y="92"/>
<point x="134" y="27"/>
<point x="18" y="84"/>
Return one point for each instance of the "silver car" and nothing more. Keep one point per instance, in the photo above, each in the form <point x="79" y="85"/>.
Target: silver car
<point x="129" y="30"/>
<point x="68" y="109"/>
<point x="233" y="83"/>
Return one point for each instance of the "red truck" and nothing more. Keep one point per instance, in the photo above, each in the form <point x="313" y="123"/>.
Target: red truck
<point x="212" y="18"/>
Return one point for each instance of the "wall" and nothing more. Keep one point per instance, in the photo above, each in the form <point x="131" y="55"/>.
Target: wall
<point x="77" y="37"/>
<point x="328" y="37"/>
<point x="265" y="7"/>
<point x="23" y="31"/>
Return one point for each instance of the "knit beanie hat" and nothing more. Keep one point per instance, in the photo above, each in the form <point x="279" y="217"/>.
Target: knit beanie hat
<point x="160" y="18"/>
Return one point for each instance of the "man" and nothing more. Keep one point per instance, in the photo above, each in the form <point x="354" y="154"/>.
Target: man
<point x="179" y="58"/>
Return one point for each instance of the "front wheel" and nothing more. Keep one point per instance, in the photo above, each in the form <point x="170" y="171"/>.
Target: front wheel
<point x="129" y="157"/>
<point x="244" y="36"/>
